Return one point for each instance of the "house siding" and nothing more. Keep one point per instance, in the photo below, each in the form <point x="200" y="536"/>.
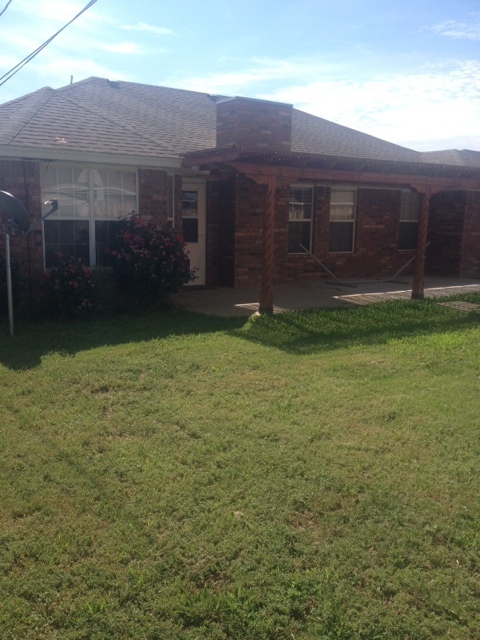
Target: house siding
<point x="220" y="232"/>
<point x="375" y="252"/>
<point x="254" y="124"/>
<point x="152" y="196"/>
<point x="249" y="213"/>
<point x="21" y="178"/>
<point x="445" y="232"/>
<point x="234" y="233"/>
<point x="470" y="262"/>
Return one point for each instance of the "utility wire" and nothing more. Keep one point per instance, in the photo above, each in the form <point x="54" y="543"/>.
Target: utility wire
<point x="32" y="55"/>
<point x="5" y="7"/>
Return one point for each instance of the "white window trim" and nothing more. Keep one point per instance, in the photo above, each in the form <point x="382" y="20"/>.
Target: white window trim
<point x="310" y="187"/>
<point x="403" y="220"/>
<point x="354" y="190"/>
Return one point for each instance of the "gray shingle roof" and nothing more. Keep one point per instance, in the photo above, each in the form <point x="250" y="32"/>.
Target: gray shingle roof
<point x="128" y="118"/>
<point x="48" y="119"/>
<point x="464" y="158"/>
<point x="183" y="120"/>
<point x="311" y="134"/>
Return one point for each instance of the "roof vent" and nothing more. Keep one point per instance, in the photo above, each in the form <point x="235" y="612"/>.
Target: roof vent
<point x="115" y="84"/>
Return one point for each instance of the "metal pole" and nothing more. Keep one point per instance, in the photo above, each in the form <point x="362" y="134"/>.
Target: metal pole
<point x="8" y="267"/>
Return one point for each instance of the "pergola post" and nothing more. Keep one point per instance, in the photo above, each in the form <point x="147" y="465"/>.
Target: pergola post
<point x="266" y="292"/>
<point x="418" y="284"/>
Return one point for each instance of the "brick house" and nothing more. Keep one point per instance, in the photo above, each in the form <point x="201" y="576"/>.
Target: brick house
<point x="262" y="192"/>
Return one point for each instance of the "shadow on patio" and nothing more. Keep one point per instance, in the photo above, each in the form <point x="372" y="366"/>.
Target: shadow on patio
<point x="319" y="294"/>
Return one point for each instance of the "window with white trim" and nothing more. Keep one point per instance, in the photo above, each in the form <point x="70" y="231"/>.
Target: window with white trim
<point x="342" y="220"/>
<point x="190" y="215"/>
<point x="407" y="228"/>
<point x="300" y="219"/>
<point x="91" y="204"/>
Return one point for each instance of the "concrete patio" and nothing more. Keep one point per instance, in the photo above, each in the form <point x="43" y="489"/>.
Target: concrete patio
<point x="225" y="301"/>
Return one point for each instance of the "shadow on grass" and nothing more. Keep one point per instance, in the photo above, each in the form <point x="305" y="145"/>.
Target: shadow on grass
<point x="297" y="333"/>
<point x="329" y="329"/>
<point x="32" y="341"/>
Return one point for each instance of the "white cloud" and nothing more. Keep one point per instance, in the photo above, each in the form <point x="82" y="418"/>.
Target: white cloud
<point x="457" y="30"/>
<point x="150" y="28"/>
<point x="57" y="73"/>
<point x="122" y="47"/>
<point x="259" y="70"/>
<point x="52" y="11"/>
<point x="440" y="104"/>
<point x="437" y="106"/>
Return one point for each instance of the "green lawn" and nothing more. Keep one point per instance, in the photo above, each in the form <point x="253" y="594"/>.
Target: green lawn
<point x="177" y="477"/>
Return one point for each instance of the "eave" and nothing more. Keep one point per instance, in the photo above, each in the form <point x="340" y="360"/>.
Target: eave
<point x="71" y="155"/>
<point x="328" y="168"/>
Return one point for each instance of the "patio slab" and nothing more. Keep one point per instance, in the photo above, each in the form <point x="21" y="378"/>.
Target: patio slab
<point x="226" y="301"/>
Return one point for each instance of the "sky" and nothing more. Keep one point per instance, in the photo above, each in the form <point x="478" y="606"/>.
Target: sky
<point x="407" y="71"/>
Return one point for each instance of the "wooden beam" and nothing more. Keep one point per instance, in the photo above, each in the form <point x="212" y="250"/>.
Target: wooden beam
<point x="419" y="268"/>
<point x="261" y="172"/>
<point x="268" y="272"/>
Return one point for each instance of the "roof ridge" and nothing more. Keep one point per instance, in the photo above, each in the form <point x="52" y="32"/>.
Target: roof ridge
<point x="28" y="109"/>
<point x="93" y="79"/>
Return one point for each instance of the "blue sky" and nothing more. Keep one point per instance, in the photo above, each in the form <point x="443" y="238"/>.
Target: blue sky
<point x="406" y="71"/>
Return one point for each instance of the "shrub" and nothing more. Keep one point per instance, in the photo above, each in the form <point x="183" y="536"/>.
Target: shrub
<point x="149" y="262"/>
<point x="69" y="288"/>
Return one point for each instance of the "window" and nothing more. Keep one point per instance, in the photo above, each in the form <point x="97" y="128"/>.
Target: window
<point x="300" y="215"/>
<point x="91" y="203"/>
<point x="342" y="220"/>
<point x="190" y="216"/>
<point x="409" y="210"/>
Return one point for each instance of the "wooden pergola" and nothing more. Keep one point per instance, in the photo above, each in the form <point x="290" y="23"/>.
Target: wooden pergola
<point x="271" y="169"/>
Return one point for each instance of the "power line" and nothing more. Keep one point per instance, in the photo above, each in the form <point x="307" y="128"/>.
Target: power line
<point x="6" y="7"/>
<point x="32" y="55"/>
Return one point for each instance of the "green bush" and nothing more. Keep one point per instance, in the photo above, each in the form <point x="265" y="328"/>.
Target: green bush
<point x="149" y="262"/>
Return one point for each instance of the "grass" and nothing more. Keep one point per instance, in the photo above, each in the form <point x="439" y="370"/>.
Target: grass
<point x="307" y="476"/>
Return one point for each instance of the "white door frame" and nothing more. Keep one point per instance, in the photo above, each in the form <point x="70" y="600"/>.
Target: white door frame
<point x="197" y="250"/>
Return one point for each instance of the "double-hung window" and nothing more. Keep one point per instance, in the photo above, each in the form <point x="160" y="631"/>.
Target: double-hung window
<point x="190" y="216"/>
<point x="91" y="204"/>
<point x="300" y="216"/>
<point x="409" y="210"/>
<point x="342" y="220"/>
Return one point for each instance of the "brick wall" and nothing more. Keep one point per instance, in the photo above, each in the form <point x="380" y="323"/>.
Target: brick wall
<point x="220" y="232"/>
<point x="254" y="124"/>
<point x="249" y="209"/>
<point x="21" y="178"/>
<point x="470" y="263"/>
<point x="445" y="231"/>
<point x="152" y="196"/>
<point x="376" y="251"/>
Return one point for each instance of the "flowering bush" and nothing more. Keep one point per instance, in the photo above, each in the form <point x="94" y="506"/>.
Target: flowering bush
<point x="69" y="288"/>
<point x="149" y="262"/>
